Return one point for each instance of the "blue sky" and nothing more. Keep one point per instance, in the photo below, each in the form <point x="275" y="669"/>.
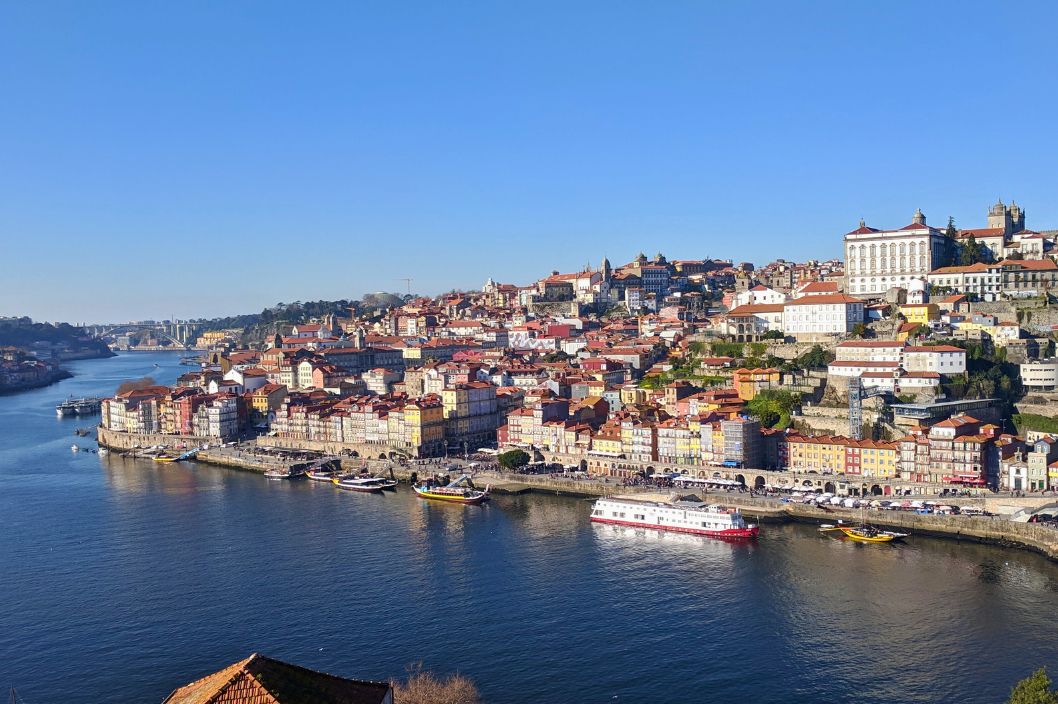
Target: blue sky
<point x="207" y="158"/>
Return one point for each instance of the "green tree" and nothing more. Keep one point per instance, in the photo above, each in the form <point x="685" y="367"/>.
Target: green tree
<point x="773" y="335"/>
<point x="950" y="232"/>
<point x="814" y="358"/>
<point x="1034" y="689"/>
<point x="513" y="459"/>
<point x="859" y="330"/>
<point x="971" y="252"/>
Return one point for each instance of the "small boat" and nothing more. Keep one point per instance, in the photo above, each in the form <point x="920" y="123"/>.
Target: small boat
<point x="74" y="448"/>
<point x="461" y="491"/>
<point x="366" y="485"/>
<point x="320" y="475"/>
<point x="283" y="474"/>
<point x="103" y="451"/>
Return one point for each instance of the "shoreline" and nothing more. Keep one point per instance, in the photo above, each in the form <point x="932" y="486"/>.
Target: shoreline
<point x="1000" y="532"/>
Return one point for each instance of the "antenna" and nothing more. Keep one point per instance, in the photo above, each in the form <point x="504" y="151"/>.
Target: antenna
<point x="407" y="280"/>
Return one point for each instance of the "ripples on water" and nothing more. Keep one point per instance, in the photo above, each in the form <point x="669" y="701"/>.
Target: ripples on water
<point x="122" y="580"/>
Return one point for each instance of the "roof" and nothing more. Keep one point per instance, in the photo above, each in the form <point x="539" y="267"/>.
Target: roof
<point x="819" y="287"/>
<point x="753" y="308"/>
<point x="823" y="300"/>
<point x="871" y="343"/>
<point x="262" y="680"/>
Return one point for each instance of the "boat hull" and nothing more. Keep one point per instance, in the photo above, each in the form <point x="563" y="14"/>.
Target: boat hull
<point x="859" y="538"/>
<point x="361" y="489"/>
<point x="747" y="533"/>
<point x="472" y="500"/>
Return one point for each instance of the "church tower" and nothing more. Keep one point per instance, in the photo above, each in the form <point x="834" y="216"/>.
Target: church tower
<point x="605" y="269"/>
<point x="1017" y="218"/>
<point x="999" y="217"/>
<point x="919" y="218"/>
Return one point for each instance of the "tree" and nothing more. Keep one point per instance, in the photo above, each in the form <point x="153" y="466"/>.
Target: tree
<point x="814" y="358"/>
<point x="513" y="459"/>
<point x="424" y="687"/>
<point x="773" y="335"/>
<point x="859" y="330"/>
<point x="135" y="384"/>
<point x="950" y="232"/>
<point x="1034" y="689"/>
<point x="972" y="252"/>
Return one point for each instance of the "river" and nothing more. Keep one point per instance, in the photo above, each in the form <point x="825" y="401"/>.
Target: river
<point x="123" y="579"/>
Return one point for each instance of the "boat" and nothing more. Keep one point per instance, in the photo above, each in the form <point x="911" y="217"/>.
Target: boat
<point x="367" y="485"/>
<point x="103" y="451"/>
<point x="79" y="407"/>
<point x="863" y="533"/>
<point x="461" y="491"/>
<point x="680" y="514"/>
<point x="74" y="448"/>
<point x="284" y="474"/>
<point x="320" y="475"/>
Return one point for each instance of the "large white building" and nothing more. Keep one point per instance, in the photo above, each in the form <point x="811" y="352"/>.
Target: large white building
<point x="833" y="314"/>
<point x="877" y="260"/>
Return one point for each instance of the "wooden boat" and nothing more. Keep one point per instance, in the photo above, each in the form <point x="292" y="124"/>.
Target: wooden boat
<point x="320" y="475"/>
<point x="283" y="474"/>
<point x="461" y="491"/>
<point x="365" y="485"/>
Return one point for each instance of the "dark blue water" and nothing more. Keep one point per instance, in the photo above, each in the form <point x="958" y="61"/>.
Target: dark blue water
<point x="120" y="580"/>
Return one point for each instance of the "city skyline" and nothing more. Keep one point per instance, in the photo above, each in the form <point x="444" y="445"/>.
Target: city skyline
<point x="339" y="150"/>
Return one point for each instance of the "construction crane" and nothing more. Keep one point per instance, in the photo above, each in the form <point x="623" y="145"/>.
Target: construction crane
<point x="407" y="281"/>
<point x="856" y="396"/>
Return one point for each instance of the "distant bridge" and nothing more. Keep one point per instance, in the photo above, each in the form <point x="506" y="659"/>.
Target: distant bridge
<point x="180" y="334"/>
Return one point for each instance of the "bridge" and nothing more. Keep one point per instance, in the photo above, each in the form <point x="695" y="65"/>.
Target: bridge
<point x="180" y="334"/>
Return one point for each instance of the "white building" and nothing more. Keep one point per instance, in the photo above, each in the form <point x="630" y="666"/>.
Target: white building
<point x="759" y="295"/>
<point x="870" y="351"/>
<point x="748" y="322"/>
<point x="832" y="314"/>
<point x="981" y="280"/>
<point x="1040" y="375"/>
<point x="877" y="260"/>
<point x="942" y="359"/>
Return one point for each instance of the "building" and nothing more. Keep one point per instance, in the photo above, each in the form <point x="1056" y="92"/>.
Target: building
<point x="816" y="316"/>
<point x="878" y="260"/>
<point x="1040" y="375"/>
<point x="260" y="680"/>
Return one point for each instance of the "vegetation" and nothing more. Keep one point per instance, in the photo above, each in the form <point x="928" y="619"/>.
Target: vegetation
<point x="556" y="356"/>
<point x="134" y="384"/>
<point x="773" y="335"/>
<point x="1034" y="689"/>
<point x="860" y="330"/>
<point x="973" y="252"/>
<point x="773" y="407"/>
<point x="424" y="687"/>
<point x="1034" y="421"/>
<point x="26" y="333"/>
<point x="513" y="459"/>
<point x="814" y="358"/>
<point x="987" y="376"/>
<point x="726" y="349"/>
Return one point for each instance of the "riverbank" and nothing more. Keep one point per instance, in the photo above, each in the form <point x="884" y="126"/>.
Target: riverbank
<point x="53" y="378"/>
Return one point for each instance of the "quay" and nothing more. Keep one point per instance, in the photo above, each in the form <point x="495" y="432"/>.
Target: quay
<point x="998" y="530"/>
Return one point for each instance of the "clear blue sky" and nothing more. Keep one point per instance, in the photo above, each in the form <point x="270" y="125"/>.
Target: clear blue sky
<point x="206" y="158"/>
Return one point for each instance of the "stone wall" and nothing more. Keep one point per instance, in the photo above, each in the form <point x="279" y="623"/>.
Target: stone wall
<point x="127" y="441"/>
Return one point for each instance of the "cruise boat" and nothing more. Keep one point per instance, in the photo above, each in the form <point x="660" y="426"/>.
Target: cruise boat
<point x="461" y="491"/>
<point x="681" y="514"/>
<point x="366" y="485"/>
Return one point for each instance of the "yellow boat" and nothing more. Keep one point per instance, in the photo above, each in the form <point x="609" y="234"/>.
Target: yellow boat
<point x="866" y="535"/>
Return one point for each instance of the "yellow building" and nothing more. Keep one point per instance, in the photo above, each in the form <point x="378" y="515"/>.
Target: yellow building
<point x="920" y="313"/>
<point x="750" y="382"/>
<point x="878" y="459"/>
<point x="821" y="453"/>
<point x="424" y="425"/>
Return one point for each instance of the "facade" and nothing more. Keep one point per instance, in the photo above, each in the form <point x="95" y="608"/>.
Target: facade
<point x="877" y="260"/>
<point x="823" y="315"/>
<point x="1040" y="375"/>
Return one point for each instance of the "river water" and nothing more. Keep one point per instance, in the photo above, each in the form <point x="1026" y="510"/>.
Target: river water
<point x="123" y="579"/>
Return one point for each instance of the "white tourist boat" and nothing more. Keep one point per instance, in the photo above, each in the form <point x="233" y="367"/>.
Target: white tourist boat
<point x="687" y="514"/>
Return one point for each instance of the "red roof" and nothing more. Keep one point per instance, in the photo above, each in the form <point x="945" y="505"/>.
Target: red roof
<point x="822" y="300"/>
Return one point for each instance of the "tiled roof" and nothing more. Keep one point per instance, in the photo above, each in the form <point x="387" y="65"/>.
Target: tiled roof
<point x="262" y="680"/>
<point x="823" y="299"/>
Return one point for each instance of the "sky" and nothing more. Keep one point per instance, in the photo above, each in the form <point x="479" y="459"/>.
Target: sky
<point x="198" y="159"/>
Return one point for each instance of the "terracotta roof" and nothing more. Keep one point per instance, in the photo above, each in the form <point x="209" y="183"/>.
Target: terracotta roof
<point x="820" y="287"/>
<point x="824" y="299"/>
<point x="262" y="680"/>
<point x="871" y="343"/>
<point x="752" y="308"/>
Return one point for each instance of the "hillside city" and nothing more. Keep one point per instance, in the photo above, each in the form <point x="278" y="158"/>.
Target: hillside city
<point x="922" y="362"/>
